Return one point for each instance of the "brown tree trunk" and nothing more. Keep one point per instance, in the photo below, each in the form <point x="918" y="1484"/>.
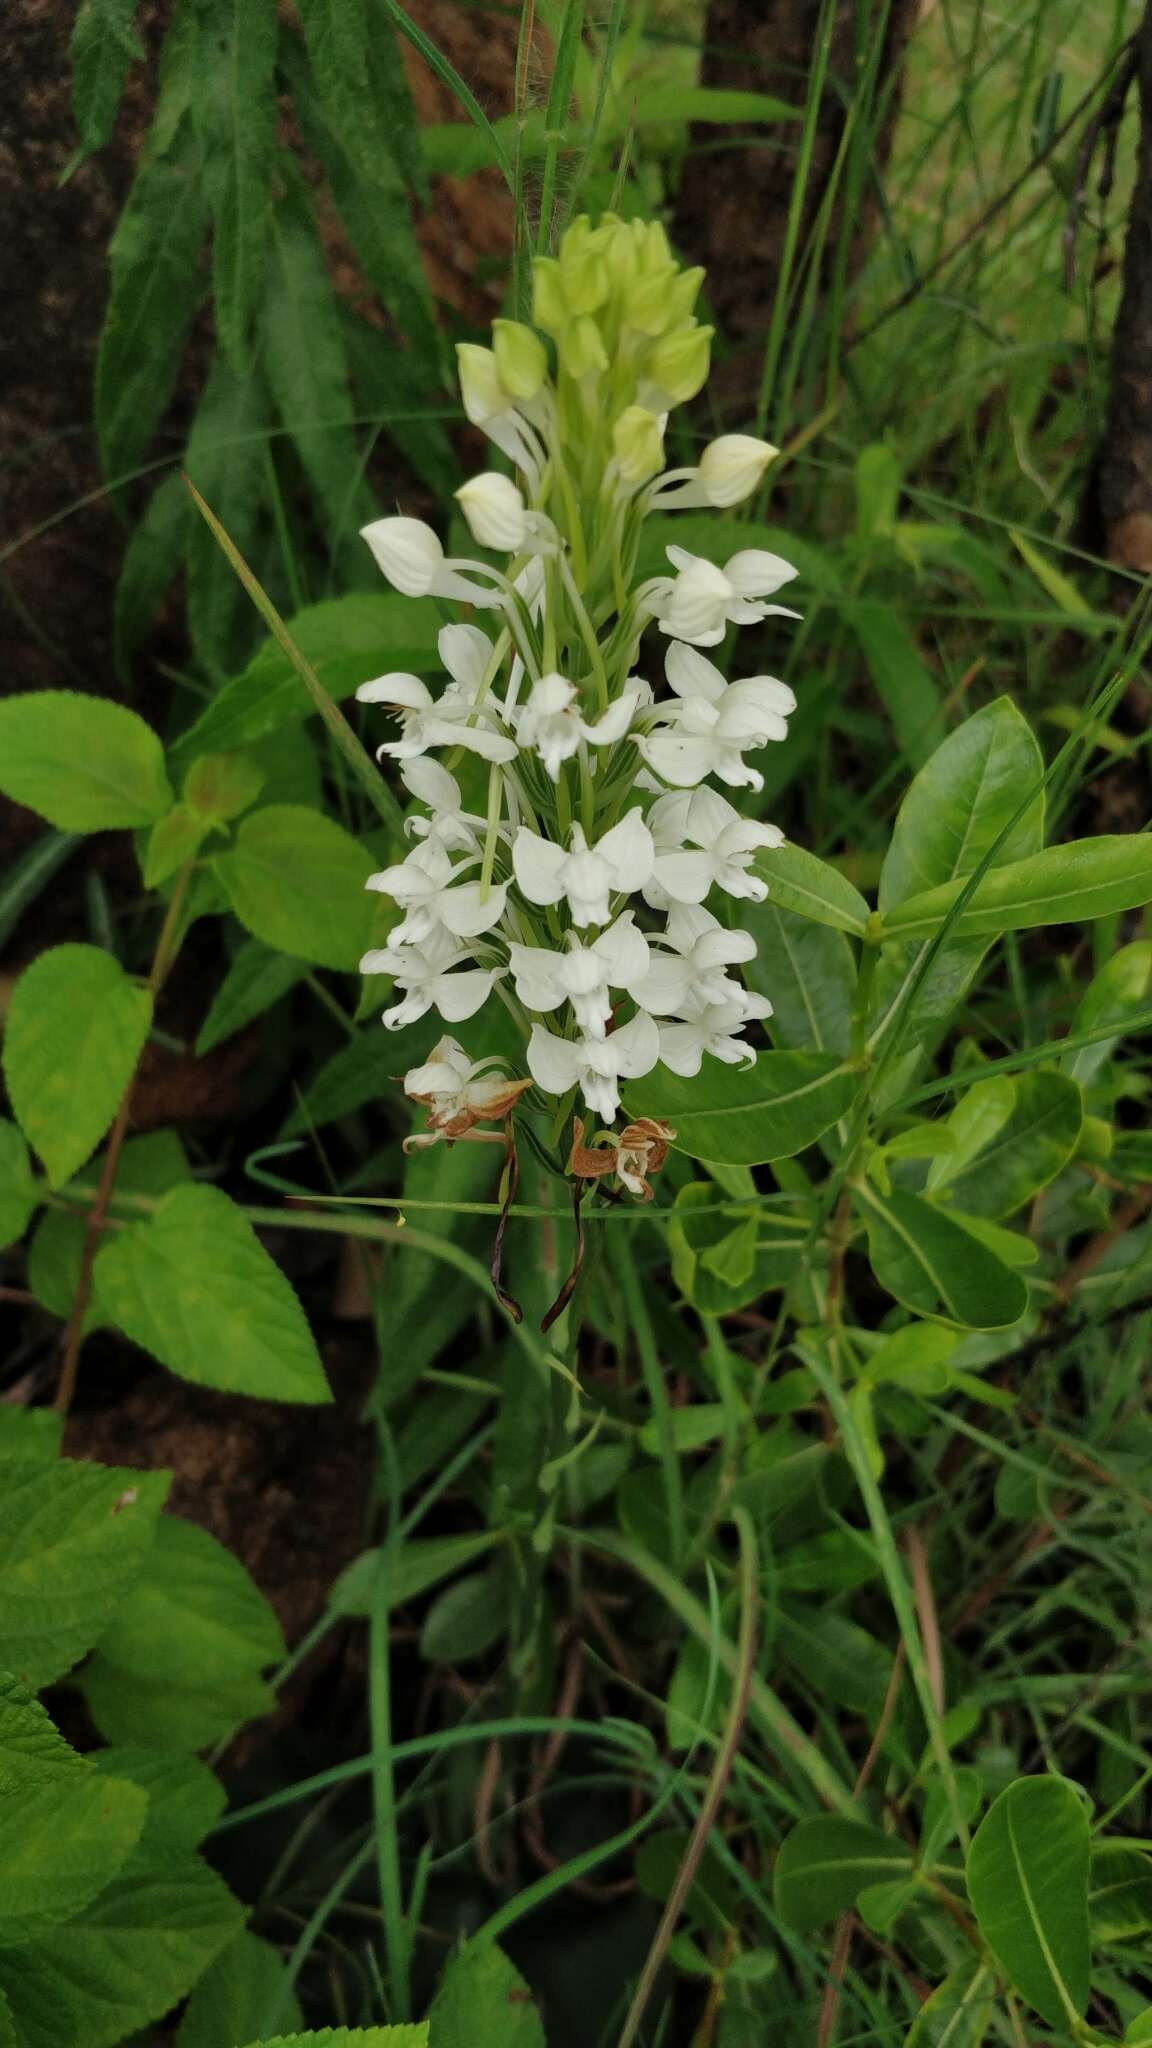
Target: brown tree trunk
<point x="1123" y="477"/>
<point x="732" y="211"/>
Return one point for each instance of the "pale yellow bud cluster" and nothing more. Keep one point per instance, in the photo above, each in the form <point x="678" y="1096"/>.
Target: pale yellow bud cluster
<point x="615" y="295"/>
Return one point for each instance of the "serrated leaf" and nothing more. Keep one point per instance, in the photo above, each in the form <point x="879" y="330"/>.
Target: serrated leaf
<point x="934" y="1266"/>
<point x="32" y="1749"/>
<point x="180" y="1664"/>
<point x="483" y="1997"/>
<point x="76" y="1028"/>
<point x="247" y="1980"/>
<point x="156" y="289"/>
<point x="83" y="763"/>
<point x="236" y="114"/>
<point x="73" y="1539"/>
<point x="1027" y="1877"/>
<point x="414" y="2036"/>
<point x="19" y="1198"/>
<point x="297" y="880"/>
<point x="65" y="1838"/>
<point x="222" y="786"/>
<point x="195" y="1287"/>
<point x="185" y="1798"/>
<point x="173" y="842"/>
<point x="30" y="1432"/>
<point x="362" y="87"/>
<point x="742" y="1116"/>
<point x="125" y="1961"/>
<point x="104" y="44"/>
<point x="257" y="979"/>
<point x="825" y="1863"/>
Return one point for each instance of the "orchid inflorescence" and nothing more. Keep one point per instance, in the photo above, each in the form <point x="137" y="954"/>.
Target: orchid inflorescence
<point x="599" y="791"/>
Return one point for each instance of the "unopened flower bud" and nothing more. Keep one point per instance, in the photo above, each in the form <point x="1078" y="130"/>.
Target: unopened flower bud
<point x="549" y="306"/>
<point x="582" y="348"/>
<point x="678" y="364"/>
<point x="731" y="467"/>
<point x="683" y="292"/>
<point x="483" y="393"/>
<point x="407" y="551"/>
<point x="638" y="442"/>
<point x="648" y="302"/>
<point x="495" y="512"/>
<point x="521" y="358"/>
<point x="586" y="282"/>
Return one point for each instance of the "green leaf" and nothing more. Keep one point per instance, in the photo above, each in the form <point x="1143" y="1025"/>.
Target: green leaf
<point x="125" y="1961"/>
<point x="73" y="1539"/>
<point x="1028" y="1151"/>
<point x="413" y="2036"/>
<point x="84" y="764"/>
<point x="934" y="1266"/>
<point x="185" y="1798"/>
<point x="179" y="1665"/>
<point x="258" y="977"/>
<point x="1063" y="885"/>
<point x="221" y="786"/>
<point x="466" y="1620"/>
<point x="1119" y="1892"/>
<point x="195" y="1287"/>
<point x="148" y="1166"/>
<point x="421" y="1563"/>
<point x="980" y="1113"/>
<point x="66" y="1835"/>
<point x="960" y="802"/>
<point x="825" y="1863"/>
<point x="152" y="560"/>
<point x="32" y="1748"/>
<point x="19" y="1198"/>
<point x="798" y="881"/>
<point x="698" y="1230"/>
<point x="742" y="1116"/>
<point x="323" y="913"/>
<point x="1027" y="1875"/>
<point x="959" y="2012"/>
<point x="907" y="689"/>
<point x="808" y="974"/>
<point x="1140" y="2030"/>
<point x="30" y="1432"/>
<point x="482" y="1997"/>
<point x="156" y="289"/>
<point x="173" y="842"/>
<point x="1121" y="988"/>
<point x="247" y="1980"/>
<point x="104" y="44"/>
<point x="915" y="1358"/>
<point x="76" y="1028"/>
<point x="226" y="460"/>
<point x="235" y="112"/>
<point x="360" y="82"/>
<point x="347" y="640"/>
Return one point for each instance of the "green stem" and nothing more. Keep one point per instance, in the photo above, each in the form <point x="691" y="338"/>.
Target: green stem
<point x="659" y="1403"/>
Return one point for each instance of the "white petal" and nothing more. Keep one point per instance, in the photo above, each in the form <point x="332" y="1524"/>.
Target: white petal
<point x="552" y="693"/>
<point x="538" y="974"/>
<point x="709" y="814"/>
<point x="685" y="877"/>
<point x="407" y="551"/>
<point x="691" y="674"/>
<point x="381" y="960"/>
<point x="635" y="1047"/>
<point x="684" y="762"/>
<point x="722" y="948"/>
<point x="667" y="982"/>
<point x="614" y="722"/>
<point x="552" y="1061"/>
<point x="406" y="692"/>
<point x="467" y="913"/>
<point x="491" y="746"/>
<point x="431" y="784"/>
<point x="458" y="996"/>
<point x="629" y="851"/>
<point x="539" y="866"/>
<point x="681" y="1048"/>
<point x="624" y="951"/>
<point x="465" y="652"/>
<point x="668" y="820"/>
<point x="756" y="573"/>
<point x="415" y="1005"/>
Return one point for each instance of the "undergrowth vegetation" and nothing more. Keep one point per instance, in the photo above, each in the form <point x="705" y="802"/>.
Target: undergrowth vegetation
<point x="743" y="1631"/>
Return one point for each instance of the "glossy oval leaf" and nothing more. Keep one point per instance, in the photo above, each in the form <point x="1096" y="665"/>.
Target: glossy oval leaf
<point x="1027" y="1876"/>
<point x="960" y="802"/>
<point x="1119" y="992"/>
<point x="1063" y="885"/>
<point x="1030" y="1148"/>
<point x="824" y="1864"/>
<point x="81" y="762"/>
<point x="936" y="1267"/>
<point x="813" y="889"/>
<point x="743" y="1116"/>
<point x="808" y="974"/>
<point x="296" y="879"/>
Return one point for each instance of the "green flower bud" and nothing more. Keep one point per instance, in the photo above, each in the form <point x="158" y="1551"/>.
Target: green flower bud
<point x="682" y="295"/>
<point x="638" y="441"/>
<point x="480" y="387"/>
<point x="582" y="347"/>
<point x="549" y="306"/>
<point x="654" y="252"/>
<point x="678" y="364"/>
<point x="585" y="281"/>
<point x="521" y="359"/>
<point x="648" y="302"/>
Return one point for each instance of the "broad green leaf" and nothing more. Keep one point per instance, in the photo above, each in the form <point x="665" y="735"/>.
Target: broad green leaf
<point x="194" y="1286"/>
<point x="257" y="978"/>
<point x="482" y="1997"/>
<point x="1009" y="1245"/>
<point x="346" y="640"/>
<point x="1063" y="885"/>
<point x="148" y="1166"/>
<point x="934" y="1266"/>
<point x="915" y="1358"/>
<point x="1121" y="988"/>
<point x="467" y="1619"/>
<point x="83" y="763"/>
<point x="408" y="2036"/>
<point x="226" y="459"/>
<point x="959" y="2012"/>
<point x="30" y="1432"/>
<point x="73" y="1539"/>
<point x="1027" y="1876"/>
<point x="32" y="1749"/>
<point x="960" y="802"/>
<point x="156" y="289"/>
<point x="180" y="1664"/>
<point x="1140" y="2030"/>
<point x="981" y="1112"/>
<point x="221" y="786"/>
<point x="297" y="880"/>
<point x="808" y="974"/>
<point x="173" y="842"/>
<point x="104" y="44"/>
<point x="235" y="112"/>
<point x="246" y="1982"/>
<point x="125" y="1961"/>
<point x="907" y="689"/>
<point x="76" y="1028"/>
<point x="694" y="1239"/>
<point x="825" y="1863"/>
<point x="66" y="1835"/>
<point x="1119" y="1892"/>
<point x="799" y="882"/>
<point x="18" y="1196"/>
<point x="421" y="1563"/>
<point x="185" y="1798"/>
<point x="742" y="1116"/>
<point x="1028" y="1151"/>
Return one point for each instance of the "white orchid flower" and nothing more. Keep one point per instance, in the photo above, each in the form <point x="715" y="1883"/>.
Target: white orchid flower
<point x="729" y="471"/>
<point x="720" y="846"/>
<point x="712" y="722"/>
<point x="436" y="975"/>
<point x="414" y="562"/>
<point x="702" y="599"/>
<point x="686" y="964"/>
<point x="587" y="875"/>
<point x="459" y="1092"/>
<point x="594" y="1065"/>
<point x="498" y="517"/>
<point x="427" y="888"/>
<point x="447" y="824"/>
<point x="489" y="405"/>
<point x="712" y="1030"/>
<point x="462" y="716"/>
<point x="550" y="721"/>
<point x="584" y="975"/>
